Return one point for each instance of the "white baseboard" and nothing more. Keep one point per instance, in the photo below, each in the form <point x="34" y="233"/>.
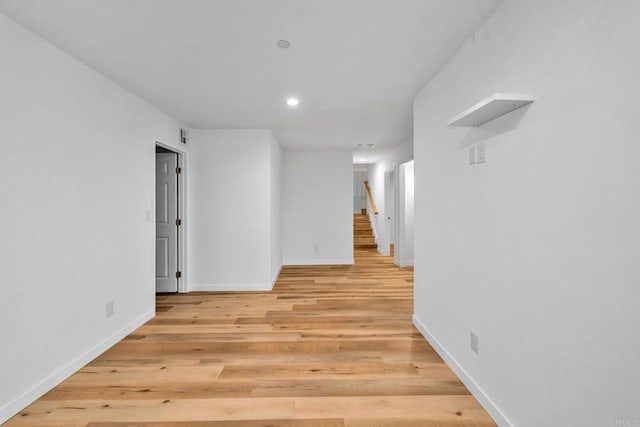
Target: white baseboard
<point x="274" y="279"/>
<point x="236" y="287"/>
<point x="231" y="287"/>
<point x="498" y="416"/>
<point x="321" y="262"/>
<point x="382" y="252"/>
<point x="18" y="404"/>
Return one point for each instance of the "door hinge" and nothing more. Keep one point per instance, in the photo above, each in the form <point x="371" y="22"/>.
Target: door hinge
<point x="178" y="222"/>
<point x="178" y="170"/>
<point x="178" y="274"/>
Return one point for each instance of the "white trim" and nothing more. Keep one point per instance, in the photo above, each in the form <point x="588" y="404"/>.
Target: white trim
<point x="498" y="416"/>
<point x="384" y="249"/>
<point x="373" y="222"/>
<point x="396" y="209"/>
<point x="274" y="279"/>
<point x="18" y="404"/>
<point x="231" y="287"/>
<point x="321" y="262"/>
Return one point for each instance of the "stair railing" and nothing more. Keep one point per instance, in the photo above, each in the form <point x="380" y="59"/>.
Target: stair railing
<point x="372" y="211"/>
<point x="371" y="204"/>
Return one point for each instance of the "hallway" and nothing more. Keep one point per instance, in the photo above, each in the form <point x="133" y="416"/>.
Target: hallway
<point x="329" y="346"/>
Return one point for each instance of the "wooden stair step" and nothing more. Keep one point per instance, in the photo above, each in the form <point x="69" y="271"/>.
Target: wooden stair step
<point x="365" y="246"/>
<point x="362" y="231"/>
<point x="363" y="239"/>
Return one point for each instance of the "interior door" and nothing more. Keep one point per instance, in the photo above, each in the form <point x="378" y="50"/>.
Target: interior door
<point x="166" y="222"/>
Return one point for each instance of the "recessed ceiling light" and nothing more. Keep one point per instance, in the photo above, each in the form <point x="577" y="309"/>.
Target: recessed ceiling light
<point x="362" y="160"/>
<point x="292" y="102"/>
<point x="283" y="44"/>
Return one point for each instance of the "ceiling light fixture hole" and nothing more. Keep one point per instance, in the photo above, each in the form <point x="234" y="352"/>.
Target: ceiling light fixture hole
<point x="283" y="44"/>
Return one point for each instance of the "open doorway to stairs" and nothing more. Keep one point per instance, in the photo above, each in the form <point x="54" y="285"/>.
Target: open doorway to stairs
<point x="360" y="172"/>
<point x="169" y="235"/>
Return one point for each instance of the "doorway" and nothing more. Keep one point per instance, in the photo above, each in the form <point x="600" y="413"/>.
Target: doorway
<point x="360" y="172"/>
<point x="168" y="220"/>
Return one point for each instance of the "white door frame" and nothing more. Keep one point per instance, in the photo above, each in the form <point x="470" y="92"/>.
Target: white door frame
<point x="182" y="212"/>
<point x="401" y="249"/>
<point x="389" y="211"/>
<point x="399" y="213"/>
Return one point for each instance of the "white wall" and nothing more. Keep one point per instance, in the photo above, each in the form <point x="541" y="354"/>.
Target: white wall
<point x="317" y="209"/>
<point x="233" y="241"/>
<point x="401" y="154"/>
<point x="77" y="191"/>
<point x="536" y="251"/>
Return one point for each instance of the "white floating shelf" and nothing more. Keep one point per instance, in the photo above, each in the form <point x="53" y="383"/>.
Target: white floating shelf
<point x="491" y="108"/>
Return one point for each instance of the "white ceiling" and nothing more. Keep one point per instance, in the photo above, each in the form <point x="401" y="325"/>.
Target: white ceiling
<point x="355" y="65"/>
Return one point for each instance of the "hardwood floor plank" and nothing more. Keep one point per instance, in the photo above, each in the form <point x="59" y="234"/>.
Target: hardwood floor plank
<point x="152" y="410"/>
<point x="324" y="422"/>
<point x="431" y="408"/>
<point x="148" y="390"/>
<point x="324" y="370"/>
<point x="357" y="387"/>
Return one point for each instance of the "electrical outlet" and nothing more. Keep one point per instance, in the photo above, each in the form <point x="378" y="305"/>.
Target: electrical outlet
<point x="474" y="343"/>
<point x="109" y="309"/>
<point x="472" y="155"/>
<point x="481" y="152"/>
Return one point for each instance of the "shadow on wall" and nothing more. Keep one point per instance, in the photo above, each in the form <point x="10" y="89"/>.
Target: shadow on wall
<point x="499" y="126"/>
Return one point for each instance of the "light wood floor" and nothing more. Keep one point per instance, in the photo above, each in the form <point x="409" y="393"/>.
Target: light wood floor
<point x="330" y="346"/>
